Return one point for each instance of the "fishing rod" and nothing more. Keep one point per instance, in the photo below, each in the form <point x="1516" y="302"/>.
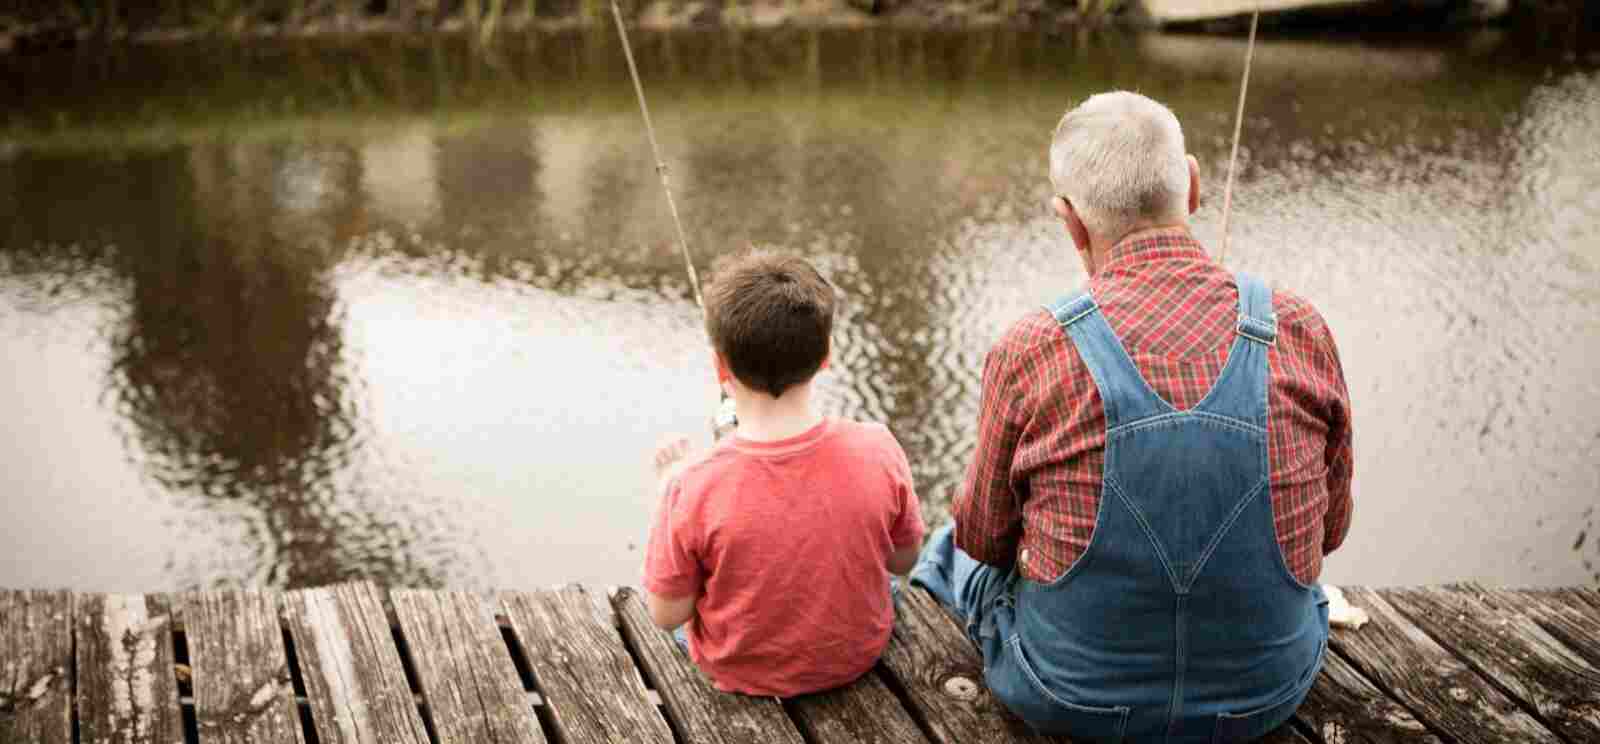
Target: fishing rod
<point x="1238" y="125"/>
<point x="725" y="419"/>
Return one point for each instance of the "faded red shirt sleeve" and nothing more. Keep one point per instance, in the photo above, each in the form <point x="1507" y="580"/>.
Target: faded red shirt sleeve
<point x="988" y="510"/>
<point x="671" y="567"/>
<point x="908" y="528"/>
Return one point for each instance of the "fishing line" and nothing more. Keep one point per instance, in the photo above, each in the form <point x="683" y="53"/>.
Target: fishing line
<point x="1238" y="125"/>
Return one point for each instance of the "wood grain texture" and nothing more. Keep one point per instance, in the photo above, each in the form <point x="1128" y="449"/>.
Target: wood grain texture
<point x="353" y="677"/>
<point x="1344" y="706"/>
<point x="587" y="678"/>
<point x="465" y="670"/>
<point x="242" y="690"/>
<point x="127" y="693"/>
<point x="1513" y="651"/>
<point x="1564" y="616"/>
<point x="864" y="711"/>
<point x="1430" y="681"/>
<point x="699" y="712"/>
<point x="1285" y="734"/>
<point x="35" y="667"/>
<point x="941" y="673"/>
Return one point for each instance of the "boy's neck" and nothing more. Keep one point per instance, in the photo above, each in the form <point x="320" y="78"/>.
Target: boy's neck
<point x="763" y="418"/>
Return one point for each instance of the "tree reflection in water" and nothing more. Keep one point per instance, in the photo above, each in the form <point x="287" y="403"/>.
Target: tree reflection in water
<point x="227" y="360"/>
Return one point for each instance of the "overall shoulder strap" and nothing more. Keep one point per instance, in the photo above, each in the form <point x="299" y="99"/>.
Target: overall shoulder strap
<point x="1240" y="391"/>
<point x="1257" y="321"/>
<point x="1123" y="391"/>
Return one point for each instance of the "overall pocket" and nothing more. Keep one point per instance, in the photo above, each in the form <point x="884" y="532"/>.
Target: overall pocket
<point x="1252" y="725"/>
<point x="1020" y="688"/>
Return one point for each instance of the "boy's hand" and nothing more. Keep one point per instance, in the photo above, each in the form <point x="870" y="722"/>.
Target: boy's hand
<point x="671" y="455"/>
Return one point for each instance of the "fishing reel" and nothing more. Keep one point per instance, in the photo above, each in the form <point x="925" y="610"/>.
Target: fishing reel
<point x="725" y="420"/>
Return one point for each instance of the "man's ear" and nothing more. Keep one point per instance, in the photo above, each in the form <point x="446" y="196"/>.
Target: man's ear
<point x="1194" y="184"/>
<point x="1075" y="226"/>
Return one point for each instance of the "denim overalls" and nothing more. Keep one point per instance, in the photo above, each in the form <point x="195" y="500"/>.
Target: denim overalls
<point x="1180" y="622"/>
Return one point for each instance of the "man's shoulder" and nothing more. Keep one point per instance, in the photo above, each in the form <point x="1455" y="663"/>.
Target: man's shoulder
<point x="1297" y="313"/>
<point x="1029" y="333"/>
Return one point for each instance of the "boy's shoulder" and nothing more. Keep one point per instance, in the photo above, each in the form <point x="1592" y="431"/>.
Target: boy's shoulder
<point x="865" y="437"/>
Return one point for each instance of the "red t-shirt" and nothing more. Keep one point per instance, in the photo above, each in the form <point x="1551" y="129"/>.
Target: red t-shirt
<point x="786" y="544"/>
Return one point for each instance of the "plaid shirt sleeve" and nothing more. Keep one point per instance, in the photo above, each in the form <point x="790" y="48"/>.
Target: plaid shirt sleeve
<point x="988" y="510"/>
<point x="1341" y="463"/>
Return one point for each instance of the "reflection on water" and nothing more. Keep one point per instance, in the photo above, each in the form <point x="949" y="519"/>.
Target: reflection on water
<point x="390" y="310"/>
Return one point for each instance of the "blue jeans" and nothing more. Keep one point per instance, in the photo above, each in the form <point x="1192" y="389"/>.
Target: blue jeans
<point x="985" y="598"/>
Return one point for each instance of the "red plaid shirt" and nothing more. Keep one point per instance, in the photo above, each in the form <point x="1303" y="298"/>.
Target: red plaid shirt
<point x="1034" y="483"/>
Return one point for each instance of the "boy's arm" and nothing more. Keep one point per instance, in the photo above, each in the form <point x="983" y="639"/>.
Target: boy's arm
<point x="908" y="530"/>
<point x="672" y="575"/>
<point x="902" y="560"/>
<point x="670" y="612"/>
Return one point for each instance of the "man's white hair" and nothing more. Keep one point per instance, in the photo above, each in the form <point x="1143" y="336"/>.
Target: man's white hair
<point x="1119" y="159"/>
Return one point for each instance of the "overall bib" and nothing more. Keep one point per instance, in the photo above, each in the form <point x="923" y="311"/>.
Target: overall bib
<point x="1181" y="621"/>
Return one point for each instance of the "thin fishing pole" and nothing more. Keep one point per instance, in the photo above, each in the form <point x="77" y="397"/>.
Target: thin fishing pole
<point x="726" y="417"/>
<point x="661" y="164"/>
<point x="1238" y="125"/>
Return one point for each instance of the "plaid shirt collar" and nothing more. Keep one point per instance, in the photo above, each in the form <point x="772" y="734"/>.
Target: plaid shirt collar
<point x="1155" y="245"/>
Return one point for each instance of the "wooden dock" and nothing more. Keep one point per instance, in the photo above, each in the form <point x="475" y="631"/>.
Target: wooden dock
<point x="355" y="664"/>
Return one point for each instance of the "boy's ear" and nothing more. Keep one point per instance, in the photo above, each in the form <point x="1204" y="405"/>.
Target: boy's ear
<point x="723" y="375"/>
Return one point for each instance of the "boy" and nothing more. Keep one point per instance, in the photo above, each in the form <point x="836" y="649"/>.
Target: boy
<point x="776" y="546"/>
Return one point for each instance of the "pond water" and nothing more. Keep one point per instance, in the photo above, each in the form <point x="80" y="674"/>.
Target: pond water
<point x="294" y="312"/>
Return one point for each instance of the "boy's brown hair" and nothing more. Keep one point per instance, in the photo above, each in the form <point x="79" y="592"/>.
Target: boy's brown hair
<point x="770" y="317"/>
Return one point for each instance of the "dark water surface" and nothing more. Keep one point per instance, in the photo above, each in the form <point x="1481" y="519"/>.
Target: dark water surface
<point x="305" y="311"/>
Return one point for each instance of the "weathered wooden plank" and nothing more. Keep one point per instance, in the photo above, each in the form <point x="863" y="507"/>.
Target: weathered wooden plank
<point x="1515" y="653"/>
<point x="353" y="676"/>
<point x="465" y="671"/>
<point x="1438" y="687"/>
<point x="242" y="689"/>
<point x="865" y="711"/>
<point x="127" y="693"/>
<point x="35" y="663"/>
<point x="1285" y="734"/>
<point x="1565" y="617"/>
<point x="942" y="675"/>
<point x="1344" y="707"/>
<point x="699" y="712"/>
<point x="589" y="683"/>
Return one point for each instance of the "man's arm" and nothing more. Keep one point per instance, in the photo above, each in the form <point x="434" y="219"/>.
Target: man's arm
<point x="988" y="510"/>
<point x="1339" y="453"/>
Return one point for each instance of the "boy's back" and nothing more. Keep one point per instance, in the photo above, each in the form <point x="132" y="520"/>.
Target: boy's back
<point x="786" y="543"/>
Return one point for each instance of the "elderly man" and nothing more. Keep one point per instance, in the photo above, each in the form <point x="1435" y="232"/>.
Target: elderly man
<point x="1163" y="459"/>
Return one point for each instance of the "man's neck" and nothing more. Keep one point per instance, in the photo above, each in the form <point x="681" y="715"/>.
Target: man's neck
<point x="1103" y="249"/>
<point x="763" y="418"/>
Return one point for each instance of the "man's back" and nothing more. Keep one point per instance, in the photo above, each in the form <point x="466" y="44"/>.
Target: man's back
<point x="786" y="543"/>
<point x="1043" y="424"/>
